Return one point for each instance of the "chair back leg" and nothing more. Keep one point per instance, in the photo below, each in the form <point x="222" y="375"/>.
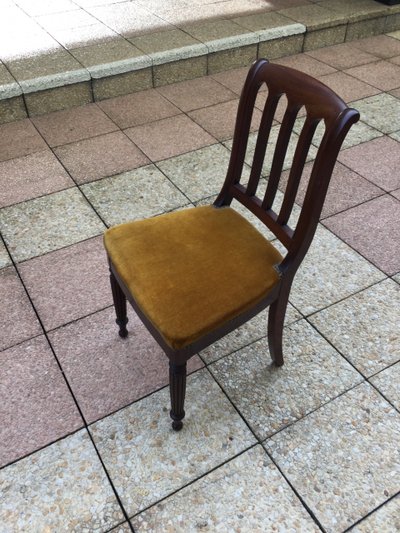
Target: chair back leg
<point x="276" y="320"/>
<point x="177" y="388"/>
<point x="119" y="305"/>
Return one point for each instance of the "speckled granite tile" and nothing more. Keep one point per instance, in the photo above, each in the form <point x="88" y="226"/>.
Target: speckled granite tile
<point x="313" y="16"/>
<point x="246" y="494"/>
<point x="254" y="329"/>
<point x="348" y="87"/>
<point x="138" y="108"/>
<point x="31" y="176"/>
<point x="219" y="120"/>
<point x="37" y="407"/>
<point x="347" y="447"/>
<point x="48" y="223"/>
<point x="377" y="238"/>
<point x="365" y="28"/>
<point x="105" y="371"/>
<point x="395" y="135"/>
<point x="147" y="460"/>
<point x="384" y="75"/>
<point x="232" y="79"/>
<point x="178" y="71"/>
<point x="231" y="58"/>
<point x="306" y="64"/>
<point x="77" y="37"/>
<point x="381" y="111"/>
<point x="385" y="520"/>
<point x="18" y="139"/>
<point x="330" y="271"/>
<point x="195" y="94"/>
<point x="12" y="109"/>
<point x="5" y="259"/>
<point x="123" y="528"/>
<point x="169" y="137"/>
<point x="364" y="327"/>
<point x="387" y="382"/>
<point x="376" y="160"/>
<point x="380" y="46"/>
<point x="17" y="318"/>
<point x="346" y="189"/>
<point x="140" y="193"/>
<point x="342" y="56"/>
<point x="100" y="157"/>
<point x="76" y="282"/>
<point x="198" y="174"/>
<point x="122" y="84"/>
<point x="75" y="124"/>
<point x="61" y="488"/>
<point x="58" y="98"/>
<point x="270" y="398"/>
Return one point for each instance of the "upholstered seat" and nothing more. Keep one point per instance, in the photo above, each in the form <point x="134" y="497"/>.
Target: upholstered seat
<point x="186" y="269"/>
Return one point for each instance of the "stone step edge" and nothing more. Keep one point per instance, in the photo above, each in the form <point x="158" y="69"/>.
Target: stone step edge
<point x="104" y="70"/>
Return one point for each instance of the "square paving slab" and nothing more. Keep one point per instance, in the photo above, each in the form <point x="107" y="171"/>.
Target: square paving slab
<point x="338" y="451"/>
<point x="387" y="382"/>
<point x="364" y="327"/>
<point x="147" y="460"/>
<point x="270" y="398"/>
<point x="217" y="502"/>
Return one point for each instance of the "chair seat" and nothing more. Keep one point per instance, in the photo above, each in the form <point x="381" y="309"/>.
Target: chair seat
<point x="193" y="270"/>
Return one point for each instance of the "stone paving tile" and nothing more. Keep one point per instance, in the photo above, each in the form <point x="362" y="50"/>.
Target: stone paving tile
<point x="140" y="193"/>
<point x="254" y="329"/>
<point x="106" y="372"/>
<point x="18" y="139"/>
<point x="330" y="271"/>
<point x="198" y="174"/>
<point x="395" y="135"/>
<point x="270" y="398"/>
<point x="37" y="407"/>
<point x="5" y="259"/>
<point x="248" y="493"/>
<point x="348" y="87"/>
<point x="232" y="79"/>
<point x="48" y="223"/>
<point x="219" y="120"/>
<point x="61" y="488"/>
<point x="380" y="45"/>
<point x="123" y="528"/>
<point x="385" y="520"/>
<point x="342" y="56"/>
<point x="306" y="64"/>
<point x="169" y="137"/>
<point x="74" y="124"/>
<point x="381" y="111"/>
<point x="81" y="36"/>
<point x="76" y="282"/>
<point x="387" y="382"/>
<point x="346" y="189"/>
<point x="147" y="460"/>
<point x="31" y="176"/>
<point x="364" y="327"/>
<point x="384" y="74"/>
<point x="100" y="157"/>
<point x="344" y="447"/>
<point x="17" y="317"/>
<point x="138" y="108"/>
<point x="195" y="94"/>
<point x="377" y="160"/>
<point x="373" y="229"/>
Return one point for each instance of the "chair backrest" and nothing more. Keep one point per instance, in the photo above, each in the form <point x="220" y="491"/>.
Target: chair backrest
<point x="321" y="104"/>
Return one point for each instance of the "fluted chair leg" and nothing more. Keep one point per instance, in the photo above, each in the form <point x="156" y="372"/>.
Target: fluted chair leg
<point x="177" y="388"/>
<point x="119" y="305"/>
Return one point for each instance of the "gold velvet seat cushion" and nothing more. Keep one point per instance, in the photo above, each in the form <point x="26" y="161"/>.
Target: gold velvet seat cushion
<point x="191" y="271"/>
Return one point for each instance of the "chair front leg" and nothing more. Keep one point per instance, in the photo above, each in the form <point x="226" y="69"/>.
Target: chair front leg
<point x="119" y="305"/>
<point x="177" y="389"/>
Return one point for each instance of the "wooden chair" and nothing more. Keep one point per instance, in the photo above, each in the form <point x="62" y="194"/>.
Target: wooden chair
<point x="193" y="276"/>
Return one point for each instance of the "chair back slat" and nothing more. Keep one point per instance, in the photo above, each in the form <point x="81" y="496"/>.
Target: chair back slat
<point x="285" y="133"/>
<point x="299" y="159"/>
<point x="262" y="142"/>
<point x="320" y="104"/>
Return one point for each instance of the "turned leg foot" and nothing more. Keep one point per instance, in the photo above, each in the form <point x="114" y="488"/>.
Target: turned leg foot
<point x="177" y="388"/>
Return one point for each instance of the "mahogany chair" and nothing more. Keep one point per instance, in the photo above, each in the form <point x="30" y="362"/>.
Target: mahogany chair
<point x="193" y="276"/>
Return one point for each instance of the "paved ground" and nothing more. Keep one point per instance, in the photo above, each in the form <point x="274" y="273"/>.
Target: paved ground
<point x="85" y="439"/>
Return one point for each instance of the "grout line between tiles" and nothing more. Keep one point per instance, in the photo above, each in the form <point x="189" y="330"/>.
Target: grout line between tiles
<point x="371" y="512"/>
